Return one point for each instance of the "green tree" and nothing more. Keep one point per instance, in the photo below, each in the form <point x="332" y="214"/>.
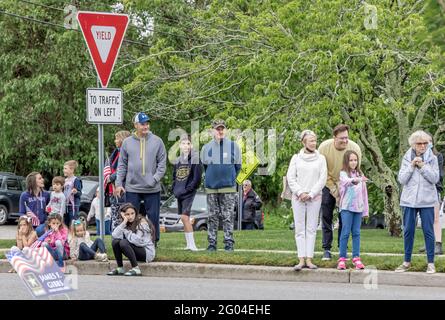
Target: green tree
<point x="44" y="72"/>
<point x="300" y="64"/>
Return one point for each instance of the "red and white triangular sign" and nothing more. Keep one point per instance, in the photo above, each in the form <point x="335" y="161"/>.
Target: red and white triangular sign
<point x="103" y="33"/>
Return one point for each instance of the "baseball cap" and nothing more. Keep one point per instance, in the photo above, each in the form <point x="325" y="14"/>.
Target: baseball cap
<point x="141" y="117"/>
<point x="218" y="123"/>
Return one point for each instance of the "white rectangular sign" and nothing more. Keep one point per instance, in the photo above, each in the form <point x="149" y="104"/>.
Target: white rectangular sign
<point x="105" y="106"/>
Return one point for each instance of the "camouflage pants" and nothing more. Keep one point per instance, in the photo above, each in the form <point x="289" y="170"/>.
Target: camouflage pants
<point x="221" y="206"/>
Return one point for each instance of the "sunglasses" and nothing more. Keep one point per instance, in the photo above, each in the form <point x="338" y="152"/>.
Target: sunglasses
<point x="77" y="222"/>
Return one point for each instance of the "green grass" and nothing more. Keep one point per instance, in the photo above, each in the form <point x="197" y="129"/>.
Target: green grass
<point x="372" y="241"/>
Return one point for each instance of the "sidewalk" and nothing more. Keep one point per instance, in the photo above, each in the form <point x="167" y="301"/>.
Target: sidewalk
<point x="370" y="278"/>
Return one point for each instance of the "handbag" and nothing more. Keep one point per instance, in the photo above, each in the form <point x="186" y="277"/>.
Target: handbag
<point x="107" y="198"/>
<point x="287" y="193"/>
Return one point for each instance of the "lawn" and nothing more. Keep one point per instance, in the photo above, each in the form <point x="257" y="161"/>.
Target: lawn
<point x="372" y="241"/>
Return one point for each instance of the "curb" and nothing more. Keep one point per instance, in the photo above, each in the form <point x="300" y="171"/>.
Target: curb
<point x="368" y="277"/>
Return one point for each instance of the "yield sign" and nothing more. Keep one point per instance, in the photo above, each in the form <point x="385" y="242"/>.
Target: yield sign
<point x="103" y="33"/>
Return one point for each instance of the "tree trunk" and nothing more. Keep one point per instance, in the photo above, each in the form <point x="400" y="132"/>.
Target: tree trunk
<point x="392" y="212"/>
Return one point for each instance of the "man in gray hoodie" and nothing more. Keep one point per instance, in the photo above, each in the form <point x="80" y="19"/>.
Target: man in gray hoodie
<point x="142" y="164"/>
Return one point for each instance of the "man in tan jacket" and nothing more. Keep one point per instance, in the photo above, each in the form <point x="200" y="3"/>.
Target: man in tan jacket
<point x="333" y="150"/>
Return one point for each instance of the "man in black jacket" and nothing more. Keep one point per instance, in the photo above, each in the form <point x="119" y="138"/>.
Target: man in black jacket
<point x="251" y="203"/>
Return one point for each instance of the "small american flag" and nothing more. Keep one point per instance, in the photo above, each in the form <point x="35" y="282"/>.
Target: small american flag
<point x="34" y="219"/>
<point x="40" y="240"/>
<point x="107" y="173"/>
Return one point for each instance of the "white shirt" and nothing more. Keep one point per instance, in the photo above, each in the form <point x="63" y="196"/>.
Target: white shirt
<point x="95" y="212"/>
<point x="307" y="173"/>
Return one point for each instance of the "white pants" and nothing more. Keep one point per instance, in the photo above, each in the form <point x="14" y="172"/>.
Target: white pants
<point x="306" y="216"/>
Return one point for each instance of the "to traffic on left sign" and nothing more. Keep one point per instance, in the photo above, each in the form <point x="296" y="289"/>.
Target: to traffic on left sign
<point x="104" y="106"/>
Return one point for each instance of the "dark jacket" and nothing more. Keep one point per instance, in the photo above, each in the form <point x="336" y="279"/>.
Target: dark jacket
<point x="186" y="176"/>
<point x="29" y="202"/>
<point x="113" y="162"/>
<point x="222" y="163"/>
<point x="251" y="203"/>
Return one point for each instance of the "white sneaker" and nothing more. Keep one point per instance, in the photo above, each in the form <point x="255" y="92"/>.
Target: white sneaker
<point x="193" y="248"/>
<point x="101" y="257"/>
<point x="431" y="268"/>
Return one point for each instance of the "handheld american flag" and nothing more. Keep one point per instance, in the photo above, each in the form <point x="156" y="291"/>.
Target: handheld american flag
<point x="34" y="219"/>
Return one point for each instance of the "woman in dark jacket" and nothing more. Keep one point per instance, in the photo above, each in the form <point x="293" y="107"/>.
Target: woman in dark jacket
<point x="187" y="174"/>
<point x="251" y="203"/>
<point x="110" y="177"/>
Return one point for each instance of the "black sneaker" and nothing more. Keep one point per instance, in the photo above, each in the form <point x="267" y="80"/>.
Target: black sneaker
<point x="327" y="256"/>
<point x="211" y="248"/>
<point x="228" y="248"/>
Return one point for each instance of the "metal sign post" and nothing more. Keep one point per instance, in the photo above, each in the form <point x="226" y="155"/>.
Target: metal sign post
<point x="100" y="133"/>
<point x="100" y="130"/>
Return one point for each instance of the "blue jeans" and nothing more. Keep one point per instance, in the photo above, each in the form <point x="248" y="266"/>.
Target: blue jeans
<point x="40" y="230"/>
<point x="152" y="204"/>
<point x="351" y="222"/>
<point x="409" y="228"/>
<point x="71" y="213"/>
<point x="58" y="253"/>
<point x="107" y="227"/>
<point x="88" y="253"/>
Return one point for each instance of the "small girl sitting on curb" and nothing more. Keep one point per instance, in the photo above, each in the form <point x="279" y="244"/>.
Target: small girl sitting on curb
<point x="56" y="242"/>
<point x="81" y="246"/>
<point x="134" y="239"/>
<point x="25" y="236"/>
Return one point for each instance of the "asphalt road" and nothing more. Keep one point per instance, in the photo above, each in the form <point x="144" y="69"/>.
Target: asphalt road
<point x="121" y="288"/>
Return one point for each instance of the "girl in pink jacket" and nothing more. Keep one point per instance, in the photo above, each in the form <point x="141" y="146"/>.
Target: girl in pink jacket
<point x="56" y="239"/>
<point x="353" y="207"/>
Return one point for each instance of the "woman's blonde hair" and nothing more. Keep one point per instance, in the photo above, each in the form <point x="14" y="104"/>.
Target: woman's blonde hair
<point x="307" y="133"/>
<point x="122" y="134"/>
<point x="416" y="136"/>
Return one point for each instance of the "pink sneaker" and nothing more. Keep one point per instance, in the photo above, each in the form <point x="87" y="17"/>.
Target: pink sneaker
<point x="341" y="264"/>
<point x="358" y="263"/>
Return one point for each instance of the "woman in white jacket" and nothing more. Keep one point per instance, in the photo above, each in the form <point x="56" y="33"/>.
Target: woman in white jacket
<point x="306" y="176"/>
